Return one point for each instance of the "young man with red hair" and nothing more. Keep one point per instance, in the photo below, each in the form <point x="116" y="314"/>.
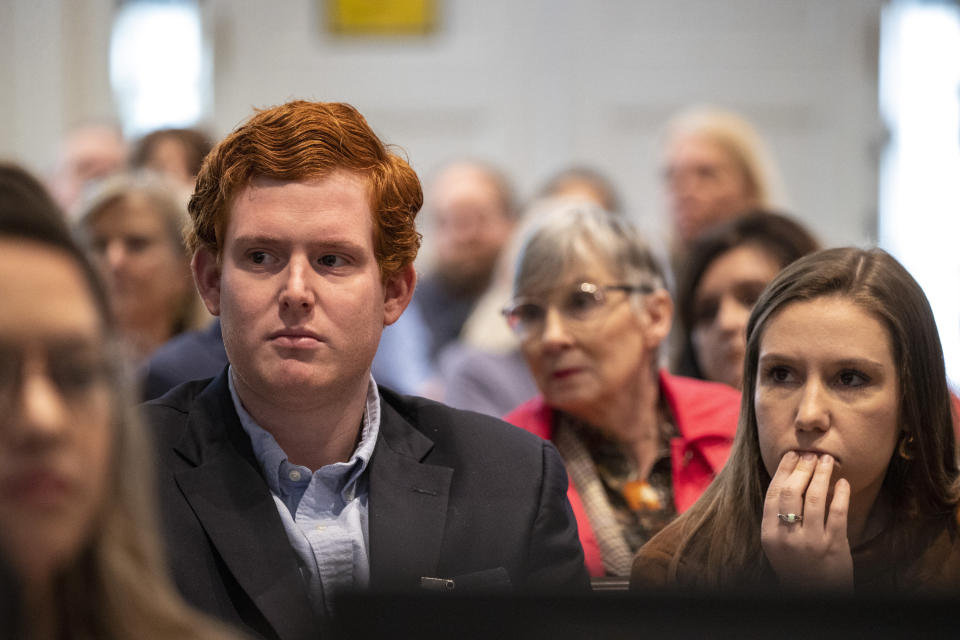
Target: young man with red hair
<point x="292" y="476"/>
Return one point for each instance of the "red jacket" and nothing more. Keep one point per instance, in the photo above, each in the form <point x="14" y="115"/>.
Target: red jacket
<point x="705" y="414"/>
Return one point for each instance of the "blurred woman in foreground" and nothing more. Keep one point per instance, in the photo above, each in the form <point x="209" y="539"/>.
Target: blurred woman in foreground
<point x="843" y="474"/>
<point x="76" y="502"/>
<point x="639" y="445"/>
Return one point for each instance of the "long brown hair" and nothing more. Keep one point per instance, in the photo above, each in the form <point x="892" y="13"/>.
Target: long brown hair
<point x="720" y="535"/>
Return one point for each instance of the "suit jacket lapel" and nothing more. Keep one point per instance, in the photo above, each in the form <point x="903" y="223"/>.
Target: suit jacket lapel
<point x="238" y="513"/>
<point x="408" y="505"/>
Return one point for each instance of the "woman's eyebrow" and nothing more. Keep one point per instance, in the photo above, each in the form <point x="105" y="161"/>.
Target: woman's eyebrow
<point x="839" y="362"/>
<point x="858" y="362"/>
<point x="775" y="355"/>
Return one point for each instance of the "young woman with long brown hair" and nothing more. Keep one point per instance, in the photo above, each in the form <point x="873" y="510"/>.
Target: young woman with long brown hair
<point x="843" y="473"/>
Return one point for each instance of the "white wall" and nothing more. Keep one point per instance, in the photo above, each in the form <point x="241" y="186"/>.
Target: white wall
<point x="532" y="85"/>
<point x="53" y="74"/>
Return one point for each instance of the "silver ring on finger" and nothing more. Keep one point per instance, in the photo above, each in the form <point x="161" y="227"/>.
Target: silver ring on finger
<point x="790" y="518"/>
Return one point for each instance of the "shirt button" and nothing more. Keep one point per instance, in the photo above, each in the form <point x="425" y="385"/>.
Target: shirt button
<point x="295" y="475"/>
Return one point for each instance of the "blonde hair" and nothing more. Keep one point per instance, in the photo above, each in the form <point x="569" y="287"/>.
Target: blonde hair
<point x="740" y="139"/>
<point x="164" y="199"/>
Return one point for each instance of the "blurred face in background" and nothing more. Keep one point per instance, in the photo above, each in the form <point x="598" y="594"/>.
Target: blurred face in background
<point x="705" y="185"/>
<point x="578" y="189"/>
<point x="722" y="303"/>
<point x="55" y="409"/>
<point x="145" y="268"/>
<point x="88" y="154"/>
<point x="471" y="226"/>
<point x="170" y="158"/>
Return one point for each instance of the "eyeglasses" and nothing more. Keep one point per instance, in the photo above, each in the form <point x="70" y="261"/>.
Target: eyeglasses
<point x="580" y="305"/>
<point x="73" y="371"/>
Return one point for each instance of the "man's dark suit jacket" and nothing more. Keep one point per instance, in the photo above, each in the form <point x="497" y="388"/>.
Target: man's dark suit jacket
<point x="453" y="494"/>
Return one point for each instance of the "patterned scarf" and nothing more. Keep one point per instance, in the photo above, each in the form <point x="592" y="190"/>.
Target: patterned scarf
<point x="619" y="529"/>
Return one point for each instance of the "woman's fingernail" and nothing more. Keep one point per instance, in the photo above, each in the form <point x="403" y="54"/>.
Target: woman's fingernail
<point x="826" y="458"/>
<point x="809" y="456"/>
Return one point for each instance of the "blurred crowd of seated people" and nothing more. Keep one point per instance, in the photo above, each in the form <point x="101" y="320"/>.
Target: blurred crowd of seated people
<point x="733" y="405"/>
<point x="471" y="212"/>
<point x="126" y="201"/>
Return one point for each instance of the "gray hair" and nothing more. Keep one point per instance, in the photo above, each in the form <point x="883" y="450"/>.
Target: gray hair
<point x="574" y="232"/>
<point x="162" y="195"/>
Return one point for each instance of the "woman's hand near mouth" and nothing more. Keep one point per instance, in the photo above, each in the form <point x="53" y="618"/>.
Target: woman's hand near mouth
<point x="810" y="551"/>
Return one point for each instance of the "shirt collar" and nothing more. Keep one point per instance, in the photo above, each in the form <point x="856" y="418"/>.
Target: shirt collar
<point x="271" y="457"/>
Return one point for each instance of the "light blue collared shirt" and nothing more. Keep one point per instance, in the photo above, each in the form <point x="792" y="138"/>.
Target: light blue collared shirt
<point x="325" y="511"/>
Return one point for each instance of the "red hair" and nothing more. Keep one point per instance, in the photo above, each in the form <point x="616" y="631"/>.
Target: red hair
<point x="304" y="140"/>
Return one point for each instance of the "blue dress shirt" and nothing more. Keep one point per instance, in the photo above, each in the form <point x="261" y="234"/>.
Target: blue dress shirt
<point x="324" y="512"/>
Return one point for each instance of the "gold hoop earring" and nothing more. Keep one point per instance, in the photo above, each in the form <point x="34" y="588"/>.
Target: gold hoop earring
<point x="906" y="443"/>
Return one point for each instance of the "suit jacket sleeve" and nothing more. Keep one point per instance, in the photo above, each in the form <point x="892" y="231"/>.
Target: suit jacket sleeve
<point x="554" y="552"/>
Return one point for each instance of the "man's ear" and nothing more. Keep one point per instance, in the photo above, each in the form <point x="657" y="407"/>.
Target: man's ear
<point x="397" y="292"/>
<point x="658" y="309"/>
<point x="206" y="275"/>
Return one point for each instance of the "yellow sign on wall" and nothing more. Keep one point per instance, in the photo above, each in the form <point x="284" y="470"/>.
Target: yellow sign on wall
<point x="381" y="17"/>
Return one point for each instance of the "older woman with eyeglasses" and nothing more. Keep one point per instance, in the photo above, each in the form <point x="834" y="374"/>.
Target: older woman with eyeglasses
<point x="639" y="444"/>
